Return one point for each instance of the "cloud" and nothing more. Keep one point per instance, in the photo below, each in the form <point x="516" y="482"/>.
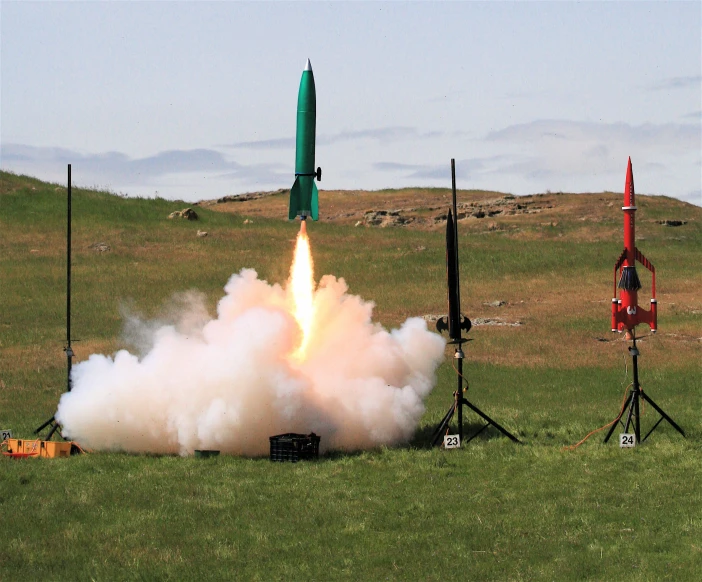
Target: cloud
<point x="283" y="143"/>
<point x="118" y="165"/>
<point x="598" y="152"/>
<point x="576" y="156"/>
<point x="413" y="171"/>
<point x="693" y="197"/>
<point x="545" y="154"/>
<point x="693" y="81"/>
<point x="466" y="168"/>
<point x="381" y="134"/>
<point x="272" y="173"/>
<point x="186" y="174"/>
<point x="396" y="167"/>
<point x="679" y="135"/>
<point x="693" y="115"/>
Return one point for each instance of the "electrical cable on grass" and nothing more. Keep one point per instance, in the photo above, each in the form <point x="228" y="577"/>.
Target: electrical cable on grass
<point x="621" y="412"/>
<point x="463" y="389"/>
<point x="643" y="410"/>
<point x="463" y="379"/>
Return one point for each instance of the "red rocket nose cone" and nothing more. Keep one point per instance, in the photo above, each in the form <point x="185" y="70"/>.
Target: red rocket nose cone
<point x="629" y="186"/>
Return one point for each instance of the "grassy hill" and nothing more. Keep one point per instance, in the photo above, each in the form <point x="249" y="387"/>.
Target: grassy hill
<point x="491" y="510"/>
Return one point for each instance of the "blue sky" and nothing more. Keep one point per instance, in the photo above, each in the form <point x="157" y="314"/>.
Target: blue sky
<point x="196" y="100"/>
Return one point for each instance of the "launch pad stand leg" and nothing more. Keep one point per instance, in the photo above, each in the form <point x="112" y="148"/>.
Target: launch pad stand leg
<point x="632" y="405"/>
<point x="489" y="422"/>
<point x="54" y="427"/>
<point x="444" y="424"/>
<point x="458" y="404"/>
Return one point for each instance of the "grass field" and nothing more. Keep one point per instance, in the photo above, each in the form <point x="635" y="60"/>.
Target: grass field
<point x="492" y="510"/>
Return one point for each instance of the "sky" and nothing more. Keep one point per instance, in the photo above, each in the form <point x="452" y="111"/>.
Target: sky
<point x="197" y="100"/>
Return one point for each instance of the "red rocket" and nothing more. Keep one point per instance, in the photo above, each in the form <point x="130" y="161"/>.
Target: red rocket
<point x="626" y="312"/>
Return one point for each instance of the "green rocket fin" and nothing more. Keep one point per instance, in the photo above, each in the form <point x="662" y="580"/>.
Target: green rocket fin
<point x="315" y="202"/>
<point x="295" y="199"/>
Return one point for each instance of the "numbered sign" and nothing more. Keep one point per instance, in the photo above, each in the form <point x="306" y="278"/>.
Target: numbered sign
<point x="627" y="441"/>
<point x="452" y="441"/>
<point x="5" y="434"/>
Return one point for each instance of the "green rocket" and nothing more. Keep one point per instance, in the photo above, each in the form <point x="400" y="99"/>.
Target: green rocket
<point x="304" y="195"/>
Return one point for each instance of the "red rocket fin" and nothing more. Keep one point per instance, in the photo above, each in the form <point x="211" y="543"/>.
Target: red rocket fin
<point x="620" y="260"/>
<point x="644" y="261"/>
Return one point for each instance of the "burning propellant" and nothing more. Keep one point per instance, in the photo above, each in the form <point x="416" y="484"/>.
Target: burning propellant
<point x="302" y="287"/>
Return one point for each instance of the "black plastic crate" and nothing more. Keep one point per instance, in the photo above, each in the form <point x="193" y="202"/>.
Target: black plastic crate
<point x="291" y="447"/>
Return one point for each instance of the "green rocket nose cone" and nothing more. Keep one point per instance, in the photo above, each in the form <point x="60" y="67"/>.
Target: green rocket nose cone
<point x="303" y="195"/>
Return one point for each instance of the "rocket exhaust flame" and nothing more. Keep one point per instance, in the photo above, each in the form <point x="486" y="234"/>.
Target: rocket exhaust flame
<point x="302" y="288"/>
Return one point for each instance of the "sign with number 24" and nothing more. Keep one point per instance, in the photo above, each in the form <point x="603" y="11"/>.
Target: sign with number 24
<point x="627" y="440"/>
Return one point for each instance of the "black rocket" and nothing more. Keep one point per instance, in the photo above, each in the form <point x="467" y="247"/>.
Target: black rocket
<point x="454" y="322"/>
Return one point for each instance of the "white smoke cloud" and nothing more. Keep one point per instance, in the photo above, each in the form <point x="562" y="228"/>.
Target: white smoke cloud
<point x="231" y="382"/>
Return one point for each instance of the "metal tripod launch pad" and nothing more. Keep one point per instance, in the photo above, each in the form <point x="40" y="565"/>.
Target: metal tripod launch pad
<point x="455" y="323"/>
<point x="457" y="407"/>
<point x="631" y="406"/>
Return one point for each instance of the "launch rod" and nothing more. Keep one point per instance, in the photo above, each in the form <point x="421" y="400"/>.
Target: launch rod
<point x="68" y="350"/>
<point x="459" y="351"/>
<point x="455" y="231"/>
<point x="68" y="263"/>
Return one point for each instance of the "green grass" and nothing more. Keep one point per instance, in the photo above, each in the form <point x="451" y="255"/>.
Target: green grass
<point x="492" y="510"/>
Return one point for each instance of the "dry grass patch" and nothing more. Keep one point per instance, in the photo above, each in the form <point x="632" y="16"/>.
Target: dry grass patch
<point x="579" y="217"/>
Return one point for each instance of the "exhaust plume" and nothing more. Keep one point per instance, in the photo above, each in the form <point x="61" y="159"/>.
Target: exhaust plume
<point x="274" y="360"/>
